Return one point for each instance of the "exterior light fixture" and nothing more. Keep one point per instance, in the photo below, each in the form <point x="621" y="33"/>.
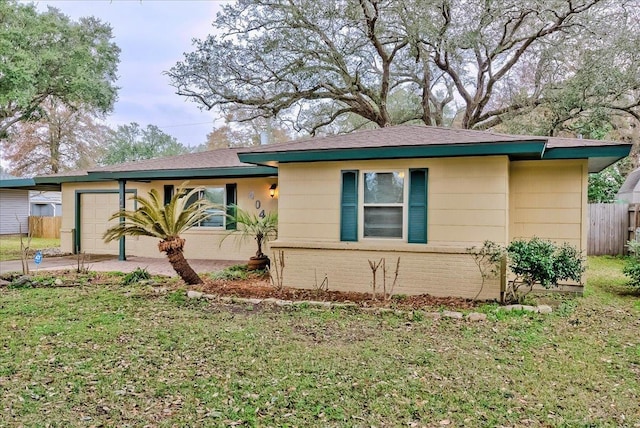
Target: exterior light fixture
<point x="272" y="190"/>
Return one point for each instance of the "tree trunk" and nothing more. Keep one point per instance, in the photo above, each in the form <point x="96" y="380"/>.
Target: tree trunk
<point x="173" y="248"/>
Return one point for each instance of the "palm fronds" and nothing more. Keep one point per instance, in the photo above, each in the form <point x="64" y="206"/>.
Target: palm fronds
<point x="153" y="218"/>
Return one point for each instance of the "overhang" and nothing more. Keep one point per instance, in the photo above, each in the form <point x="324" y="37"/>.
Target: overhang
<point x="515" y="150"/>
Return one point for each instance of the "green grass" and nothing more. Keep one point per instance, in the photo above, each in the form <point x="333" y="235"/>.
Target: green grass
<point x="10" y="246"/>
<point x="121" y="355"/>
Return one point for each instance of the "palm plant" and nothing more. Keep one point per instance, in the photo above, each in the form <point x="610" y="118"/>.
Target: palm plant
<point x="262" y="229"/>
<point x="166" y="222"/>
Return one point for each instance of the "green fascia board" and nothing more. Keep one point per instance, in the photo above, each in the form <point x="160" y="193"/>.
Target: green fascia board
<point x="532" y="149"/>
<point x="230" y="172"/>
<point x="14" y="183"/>
<point x="618" y="151"/>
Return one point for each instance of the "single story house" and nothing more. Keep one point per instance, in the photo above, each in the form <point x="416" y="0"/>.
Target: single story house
<point x="14" y="207"/>
<point x="417" y="193"/>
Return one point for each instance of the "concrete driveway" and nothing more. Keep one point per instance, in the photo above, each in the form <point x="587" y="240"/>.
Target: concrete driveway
<point x="102" y="263"/>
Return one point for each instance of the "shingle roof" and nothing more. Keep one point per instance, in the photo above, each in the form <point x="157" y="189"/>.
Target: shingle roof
<point x="413" y="141"/>
<point x="221" y="158"/>
<point x="416" y="135"/>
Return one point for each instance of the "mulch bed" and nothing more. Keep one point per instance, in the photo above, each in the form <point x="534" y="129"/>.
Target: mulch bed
<point x="261" y="288"/>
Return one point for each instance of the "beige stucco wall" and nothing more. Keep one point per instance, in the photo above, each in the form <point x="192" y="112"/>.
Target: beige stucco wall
<point x="549" y="200"/>
<point x="201" y="242"/>
<point x="468" y="199"/>
<point x="467" y="204"/>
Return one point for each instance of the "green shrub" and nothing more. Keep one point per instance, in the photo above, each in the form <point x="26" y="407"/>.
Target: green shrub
<point x="538" y="261"/>
<point x="231" y="273"/>
<point x="135" y="276"/>
<point x="632" y="266"/>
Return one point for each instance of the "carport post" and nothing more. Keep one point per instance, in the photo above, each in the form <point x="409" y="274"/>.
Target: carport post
<point x="123" y="204"/>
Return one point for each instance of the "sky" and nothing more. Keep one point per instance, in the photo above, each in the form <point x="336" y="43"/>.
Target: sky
<point x="153" y="35"/>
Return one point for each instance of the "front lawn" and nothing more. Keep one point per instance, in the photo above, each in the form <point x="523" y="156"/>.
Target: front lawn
<point x="10" y="246"/>
<point x="115" y="355"/>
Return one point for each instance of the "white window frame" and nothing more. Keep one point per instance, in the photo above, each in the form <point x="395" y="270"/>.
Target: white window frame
<point x="403" y="204"/>
<point x="224" y="217"/>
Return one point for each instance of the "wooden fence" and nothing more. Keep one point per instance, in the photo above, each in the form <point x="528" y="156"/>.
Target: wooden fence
<point x="611" y="226"/>
<point x="45" y="227"/>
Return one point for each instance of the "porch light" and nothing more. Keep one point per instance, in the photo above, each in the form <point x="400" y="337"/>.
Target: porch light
<point x="272" y="190"/>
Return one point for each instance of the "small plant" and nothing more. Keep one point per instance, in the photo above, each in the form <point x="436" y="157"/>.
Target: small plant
<point x="276" y="273"/>
<point x="538" y="261"/>
<point x="323" y="286"/>
<point x="81" y="259"/>
<point x="489" y="259"/>
<point x="24" y="249"/>
<point x="139" y="274"/>
<point x="261" y="228"/>
<point x="231" y="273"/>
<point x="386" y="295"/>
<point x="632" y="267"/>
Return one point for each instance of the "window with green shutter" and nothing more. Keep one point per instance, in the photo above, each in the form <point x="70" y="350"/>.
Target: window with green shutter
<point x="393" y="206"/>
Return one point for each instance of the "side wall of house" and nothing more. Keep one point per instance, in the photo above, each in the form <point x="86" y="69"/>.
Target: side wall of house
<point x="14" y="211"/>
<point x="468" y="202"/>
<point x="549" y="200"/>
<point x="201" y="242"/>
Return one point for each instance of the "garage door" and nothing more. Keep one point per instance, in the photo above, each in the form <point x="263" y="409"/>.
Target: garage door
<point x="95" y="210"/>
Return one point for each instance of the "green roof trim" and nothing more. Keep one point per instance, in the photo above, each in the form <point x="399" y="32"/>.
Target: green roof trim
<point x="524" y="149"/>
<point x="14" y="183"/>
<point x="585" y="152"/>
<point x="229" y="172"/>
<point x="164" y="174"/>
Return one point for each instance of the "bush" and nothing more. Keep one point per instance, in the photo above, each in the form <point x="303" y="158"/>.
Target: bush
<point x="632" y="266"/>
<point x="538" y="261"/>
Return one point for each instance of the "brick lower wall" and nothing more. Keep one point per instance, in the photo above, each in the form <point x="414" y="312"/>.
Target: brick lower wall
<point x="450" y="272"/>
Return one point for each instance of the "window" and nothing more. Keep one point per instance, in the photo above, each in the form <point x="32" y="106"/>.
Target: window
<point x="214" y="195"/>
<point x="394" y="205"/>
<point x="224" y="197"/>
<point x="383" y="204"/>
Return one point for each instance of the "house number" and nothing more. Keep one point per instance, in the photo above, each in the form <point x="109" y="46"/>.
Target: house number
<point x="258" y="204"/>
<point x="262" y="214"/>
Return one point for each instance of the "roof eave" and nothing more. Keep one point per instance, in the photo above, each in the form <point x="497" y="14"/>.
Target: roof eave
<point x="520" y="150"/>
<point x="599" y="157"/>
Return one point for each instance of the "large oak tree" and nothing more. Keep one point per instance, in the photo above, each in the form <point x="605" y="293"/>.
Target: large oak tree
<point x="47" y="55"/>
<point x="63" y="139"/>
<point x="396" y="61"/>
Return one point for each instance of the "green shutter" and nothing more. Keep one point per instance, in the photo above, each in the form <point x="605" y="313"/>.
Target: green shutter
<point x="349" y="206"/>
<point x="230" y="204"/>
<point x="418" y="180"/>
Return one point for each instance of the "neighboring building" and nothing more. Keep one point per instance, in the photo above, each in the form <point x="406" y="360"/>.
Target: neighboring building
<point x="629" y="192"/>
<point x="14" y="207"/>
<point x="45" y="204"/>
<point x="420" y="194"/>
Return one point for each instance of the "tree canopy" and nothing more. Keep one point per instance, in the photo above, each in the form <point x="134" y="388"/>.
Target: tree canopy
<point x="47" y="55"/>
<point x="133" y="143"/>
<point x="62" y="139"/>
<point x="471" y="63"/>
